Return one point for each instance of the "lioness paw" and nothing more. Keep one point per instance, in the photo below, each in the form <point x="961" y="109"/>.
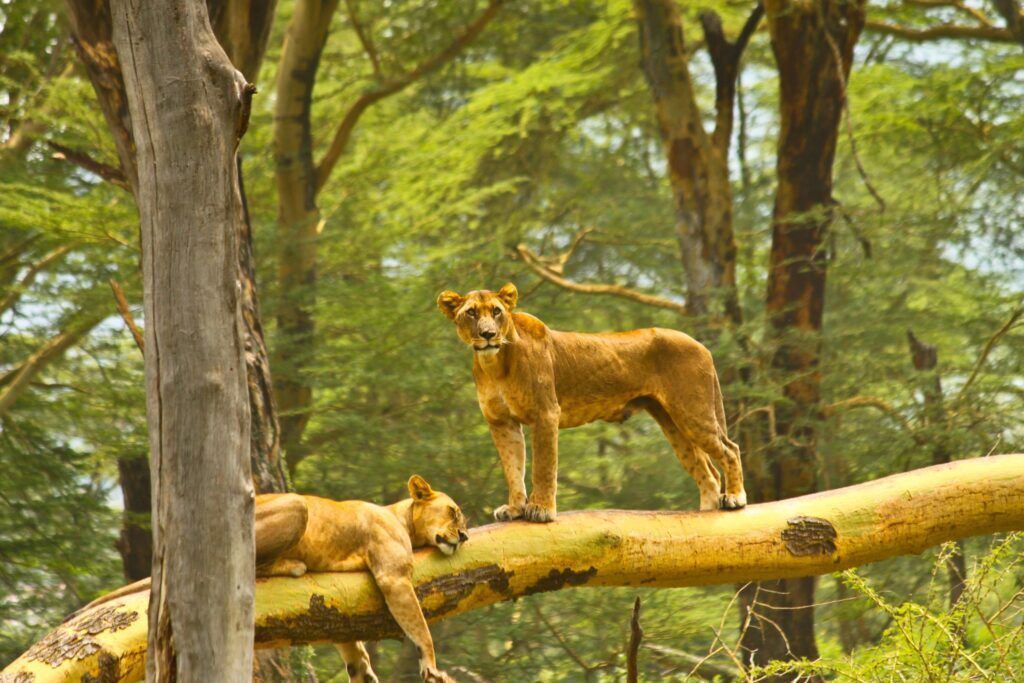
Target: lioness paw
<point x="537" y="513"/>
<point x="734" y="501"/>
<point x="506" y="513"/>
<point x="432" y="675"/>
<point x="357" y="675"/>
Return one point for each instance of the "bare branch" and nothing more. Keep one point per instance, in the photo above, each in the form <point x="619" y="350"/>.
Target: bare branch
<point x="703" y="667"/>
<point x="941" y="32"/>
<point x="848" y="116"/>
<point x="989" y="345"/>
<point x="972" y="12"/>
<point x="365" y="38"/>
<point x="424" y="68"/>
<point x="534" y="262"/>
<point x="878" y="404"/>
<point x="18" y="379"/>
<point x="725" y="58"/>
<point x="1011" y="12"/>
<point x="126" y="315"/>
<point x="111" y="174"/>
<point x="30" y="275"/>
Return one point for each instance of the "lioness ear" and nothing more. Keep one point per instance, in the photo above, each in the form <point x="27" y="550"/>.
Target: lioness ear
<point x="449" y="302"/>
<point x="419" y="489"/>
<point x="509" y="295"/>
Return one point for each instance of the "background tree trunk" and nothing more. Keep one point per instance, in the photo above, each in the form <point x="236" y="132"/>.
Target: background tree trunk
<point x="190" y="206"/>
<point x="813" y="46"/>
<point x="817" y="534"/>
<point x="925" y="358"/>
<point x="697" y="161"/>
<point x="298" y="216"/>
<point x="136" y="540"/>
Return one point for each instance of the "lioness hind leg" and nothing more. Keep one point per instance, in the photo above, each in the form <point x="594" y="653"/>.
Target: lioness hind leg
<point x="706" y="435"/>
<point x="694" y="461"/>
<point x="357" y="662"/>
<point x="735" y="495"/>
<point x="280" y="522"/>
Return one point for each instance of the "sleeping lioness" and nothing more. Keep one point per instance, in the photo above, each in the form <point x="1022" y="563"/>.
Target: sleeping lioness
<point x="528" y="374"/>
<point x="296" y="534"/>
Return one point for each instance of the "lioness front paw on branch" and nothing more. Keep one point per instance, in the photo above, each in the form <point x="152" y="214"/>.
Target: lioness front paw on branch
<point x="529" y="374"/>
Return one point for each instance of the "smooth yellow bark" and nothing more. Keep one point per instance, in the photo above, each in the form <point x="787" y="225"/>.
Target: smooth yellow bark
<point x="816" y="534"/>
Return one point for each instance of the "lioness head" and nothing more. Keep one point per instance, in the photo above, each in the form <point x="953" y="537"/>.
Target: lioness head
<point x="482" y="318"/>
<point x="436" y="519"/>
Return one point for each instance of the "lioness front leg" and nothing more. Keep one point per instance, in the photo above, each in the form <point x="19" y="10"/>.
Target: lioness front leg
<point x="392" y="570"/>
<point x="508" y="439"/>
<point x="357" y="663"/>
<point x="541" y="507"/>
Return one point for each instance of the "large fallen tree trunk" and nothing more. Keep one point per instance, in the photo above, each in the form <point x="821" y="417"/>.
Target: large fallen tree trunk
<point x="815" y="534"/>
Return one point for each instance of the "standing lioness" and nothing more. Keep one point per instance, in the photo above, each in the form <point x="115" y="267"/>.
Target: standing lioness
<point x="528" y="374"/>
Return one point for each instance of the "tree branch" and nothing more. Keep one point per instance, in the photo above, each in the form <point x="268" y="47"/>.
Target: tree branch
<point x="18" y="379"/>
<point x="725" y="58"/>
<point x="941" y="32"/>
<point x="126" y="315"/>
<point x="387" y="88"/>
<point x="365" y="39"/>
<point x="1012" y="14"/>
<point x="111" y="174"/>
<point x="989" y="345"/>
<point x="533" y="261"/>
<point x="30" y="275"/>
<point x="816" y="534"/>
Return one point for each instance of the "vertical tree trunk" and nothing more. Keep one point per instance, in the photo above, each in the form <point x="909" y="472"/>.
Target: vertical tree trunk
<point x="925" y="358"/>
<point x="136" y="540"/>
<point x="298" y="216"/>
<point x="201" y="621"/>
<point x="813" y="45"/>
<point x="697" y="161"/>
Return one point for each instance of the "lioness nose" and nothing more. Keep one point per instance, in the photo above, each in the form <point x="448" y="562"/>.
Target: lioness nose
<point x="440" y="539"/>
<point x="488" y="334"/>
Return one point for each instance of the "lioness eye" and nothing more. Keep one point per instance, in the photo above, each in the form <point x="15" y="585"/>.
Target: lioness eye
<point x="471" y="313"/>
<point x="497" y="311"/>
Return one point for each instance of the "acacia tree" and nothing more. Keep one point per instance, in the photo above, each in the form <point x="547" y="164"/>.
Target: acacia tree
<point x="809" y="535"/>
<point x="198" y="413"/>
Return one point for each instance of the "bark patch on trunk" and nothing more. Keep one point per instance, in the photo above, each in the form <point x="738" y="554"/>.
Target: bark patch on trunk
<point x="809" y="536"/>
<point x="76" y="641"/>
<point x="559" y="579"/>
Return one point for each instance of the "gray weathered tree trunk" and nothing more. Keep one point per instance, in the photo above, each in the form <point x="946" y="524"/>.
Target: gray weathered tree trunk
<point x="189" y="108"/>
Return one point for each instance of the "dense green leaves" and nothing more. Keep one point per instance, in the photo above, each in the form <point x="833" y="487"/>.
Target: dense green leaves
<point x="541" y="129"/>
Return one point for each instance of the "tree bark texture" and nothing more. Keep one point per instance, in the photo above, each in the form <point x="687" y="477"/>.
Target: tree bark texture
<point x="91" y="31"/>
<point x="813" y="46"/>
<point x="242" y="28"/>
<point x="698" y="166"/>
<point x="189" y="106"/>
<point x="815" y="534"/>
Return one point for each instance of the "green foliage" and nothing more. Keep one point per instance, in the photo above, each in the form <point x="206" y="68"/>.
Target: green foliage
<point x="541" y="129"/>
<point x="977" y="639"/>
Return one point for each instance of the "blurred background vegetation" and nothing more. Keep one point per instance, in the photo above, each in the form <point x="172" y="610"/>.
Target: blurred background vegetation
<point x="540" y="132"/>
